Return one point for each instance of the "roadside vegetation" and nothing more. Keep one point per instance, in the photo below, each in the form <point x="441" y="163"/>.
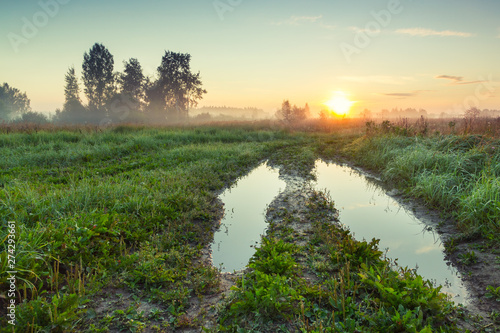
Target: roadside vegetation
<point x="128" y="208"/>
<point x="457" y="174"/>
<point x="111" y="224"/>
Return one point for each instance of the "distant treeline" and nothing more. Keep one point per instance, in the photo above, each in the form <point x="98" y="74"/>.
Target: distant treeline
<point x="227" y="113"/>
<point x="396" y="113"/>
<point x="486" y="113"/>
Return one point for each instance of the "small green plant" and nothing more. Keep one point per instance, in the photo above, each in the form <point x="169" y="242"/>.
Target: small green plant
<point x="468" y="258"/>
<point x="57" y="314"/>
<point x="493" y="293"/>
<point x="271" y="296"/>
<point x="274" y="257"/>
<point x="450" y="245"/>
<point x="495" y="316"/>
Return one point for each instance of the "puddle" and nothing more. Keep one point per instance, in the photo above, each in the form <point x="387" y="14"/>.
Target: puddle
<point x="370" y="213"/>
<point x="244" y="218"/>
<point x="364" y="207"/>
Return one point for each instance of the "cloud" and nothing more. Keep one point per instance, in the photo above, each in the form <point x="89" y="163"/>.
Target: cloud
<point x="364" y="30"/>
<point x="422" y="32"/>
<point x="299" y="20"/>
<point x="381" y="79"/>
<point x="403" y="95"/>
<point x="451" y="77"/>
<point x="457" y="80"/>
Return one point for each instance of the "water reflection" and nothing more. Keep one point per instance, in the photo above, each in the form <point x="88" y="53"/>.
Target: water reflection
<point x="244" y="221"/>
<point x="370" y="213"/>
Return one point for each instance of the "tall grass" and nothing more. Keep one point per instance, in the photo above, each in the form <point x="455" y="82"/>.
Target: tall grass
<point x="458" y="174"/>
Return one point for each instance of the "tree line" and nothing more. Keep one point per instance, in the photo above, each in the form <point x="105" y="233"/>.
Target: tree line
<point x="130" y="96"/>
<point x="113" y="97"/>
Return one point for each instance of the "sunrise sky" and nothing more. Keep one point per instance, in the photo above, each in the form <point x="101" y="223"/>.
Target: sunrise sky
<point x="439" y="55"/>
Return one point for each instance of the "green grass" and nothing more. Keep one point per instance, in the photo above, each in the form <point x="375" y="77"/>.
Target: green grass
<point x="457" y="174"/>
<point x="130" y="208"/>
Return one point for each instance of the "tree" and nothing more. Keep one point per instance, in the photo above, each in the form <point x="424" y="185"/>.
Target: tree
<point x="176" y="89"/>
<point x="307" y="110"/>
<point x="71" y="90"/>
<point x="132" y="81"/>
<point x="98" y="76"/>
<point x="292" y="114"/>
<point x="12" y="101"/>
<point x="73" y="109"/>
<point x="285" y="113"/>
<point x="470" y="118"/>
<point x="155" y="101"/>
<point x="33" y="118"/>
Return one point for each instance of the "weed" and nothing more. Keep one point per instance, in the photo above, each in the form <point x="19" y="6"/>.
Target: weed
<point x="468" y="258"/>
<point x="495" y="316"/>
<point x="492" y="292"/>
<point x="450" y="245"/>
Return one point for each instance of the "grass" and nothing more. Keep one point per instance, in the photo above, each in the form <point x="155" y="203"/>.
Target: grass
<point x="457" y="174"/>
<point x="130" y="208"/>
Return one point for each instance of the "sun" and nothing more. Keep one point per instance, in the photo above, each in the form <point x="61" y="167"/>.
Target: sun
<point x="339" y="103"/>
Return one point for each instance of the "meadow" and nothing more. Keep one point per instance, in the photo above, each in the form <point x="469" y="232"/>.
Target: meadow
<point x="111" y="223"/>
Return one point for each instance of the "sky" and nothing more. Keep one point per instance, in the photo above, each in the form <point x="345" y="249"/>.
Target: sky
<point x="439" y="55"/>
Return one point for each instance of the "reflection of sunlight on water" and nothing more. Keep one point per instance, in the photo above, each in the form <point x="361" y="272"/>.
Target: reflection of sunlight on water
<point x="244" y="221"/>
<point x="370" y="213"/>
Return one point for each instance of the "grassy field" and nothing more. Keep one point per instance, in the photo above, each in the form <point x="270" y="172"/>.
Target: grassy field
<point x="131" y="208"/>
<point x="456" y="174"/>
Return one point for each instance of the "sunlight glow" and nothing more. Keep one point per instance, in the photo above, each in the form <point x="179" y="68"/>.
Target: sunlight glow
<point x="339" y="103"/>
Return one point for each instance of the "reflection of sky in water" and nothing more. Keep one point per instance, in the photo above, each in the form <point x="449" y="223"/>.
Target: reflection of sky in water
<point x="244" y="220"/>
<point x="370" y="213"/>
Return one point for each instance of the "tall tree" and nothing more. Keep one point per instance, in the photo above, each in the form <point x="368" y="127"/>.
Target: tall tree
<point x="132" y="81"/>
<point x="73" y="109"/>
<point x="12" y="101"/>
<point x="177" y="88"/>
<point x="71" y="89"/>
<point x="98" y="76"/>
